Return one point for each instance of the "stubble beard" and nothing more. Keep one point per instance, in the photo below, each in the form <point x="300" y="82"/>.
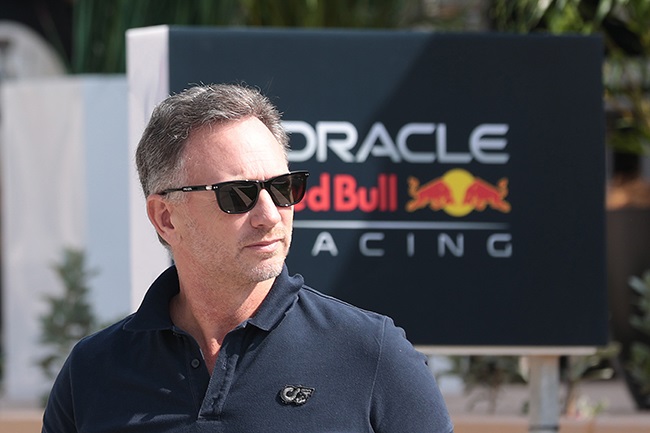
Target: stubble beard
<point x="240" y="268"/>
<point x="272" y="265"/>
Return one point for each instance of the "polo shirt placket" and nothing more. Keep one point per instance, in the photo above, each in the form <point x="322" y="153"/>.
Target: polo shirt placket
<point x="222" y="377"/>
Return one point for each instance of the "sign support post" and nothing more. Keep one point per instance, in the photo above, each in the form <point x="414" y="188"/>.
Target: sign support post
<point x="544" y="391"/>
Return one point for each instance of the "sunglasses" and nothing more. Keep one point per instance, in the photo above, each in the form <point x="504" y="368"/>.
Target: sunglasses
<point x="240" y="196"/>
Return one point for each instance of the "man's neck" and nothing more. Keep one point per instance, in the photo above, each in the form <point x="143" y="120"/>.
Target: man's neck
<point x="209" y="312"/>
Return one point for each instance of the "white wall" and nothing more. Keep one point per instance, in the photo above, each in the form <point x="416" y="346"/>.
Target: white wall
<point x="64" y="152"/>
<point x="147" y="65"/>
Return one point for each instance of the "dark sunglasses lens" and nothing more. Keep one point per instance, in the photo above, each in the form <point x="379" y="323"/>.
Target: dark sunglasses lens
<point x="289" y="189"/>
<point x="237" y="197"/>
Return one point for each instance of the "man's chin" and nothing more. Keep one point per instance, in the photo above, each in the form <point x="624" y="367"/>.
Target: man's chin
<point x="267" y="271"/>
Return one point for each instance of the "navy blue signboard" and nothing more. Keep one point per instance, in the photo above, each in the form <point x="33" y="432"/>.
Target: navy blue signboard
<point x="457" y="180"/>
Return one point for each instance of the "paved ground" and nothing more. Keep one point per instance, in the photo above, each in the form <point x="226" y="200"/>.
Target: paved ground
<point x="611" y="397"/>
<point x="617" y="413"/>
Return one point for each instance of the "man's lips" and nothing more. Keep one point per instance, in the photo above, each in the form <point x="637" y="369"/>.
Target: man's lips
<point x="269" y="244"/>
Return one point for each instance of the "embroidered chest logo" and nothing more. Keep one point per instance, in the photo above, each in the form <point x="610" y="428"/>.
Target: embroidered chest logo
<point x="296" y="395"/>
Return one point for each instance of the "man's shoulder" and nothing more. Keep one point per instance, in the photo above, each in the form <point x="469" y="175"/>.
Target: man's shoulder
<point x="324" y="317"/>
<point x="333" y="302"/>
<point x="332" y="308"/>
<point x="106" y="339"/>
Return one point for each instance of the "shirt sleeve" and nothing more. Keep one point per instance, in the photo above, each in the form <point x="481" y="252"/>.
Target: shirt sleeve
<point x="405" y="397"/>
<point x="59" y="414"/>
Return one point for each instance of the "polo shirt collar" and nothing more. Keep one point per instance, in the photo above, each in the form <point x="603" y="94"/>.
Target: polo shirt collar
<point x="153" y="313"/>
<point x="281" y="297"/>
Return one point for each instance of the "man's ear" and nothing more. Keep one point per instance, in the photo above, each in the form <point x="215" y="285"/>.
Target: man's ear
<point x="159" y="211"/>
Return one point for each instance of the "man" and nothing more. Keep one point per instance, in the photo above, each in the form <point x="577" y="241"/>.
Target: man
<point x="225" y="340"/>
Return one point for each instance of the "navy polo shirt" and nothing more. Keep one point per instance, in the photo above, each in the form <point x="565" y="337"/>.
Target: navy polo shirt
<point x="305" y="362"/>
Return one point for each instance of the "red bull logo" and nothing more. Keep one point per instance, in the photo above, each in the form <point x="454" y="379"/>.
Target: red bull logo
<point x="458" y="193"/>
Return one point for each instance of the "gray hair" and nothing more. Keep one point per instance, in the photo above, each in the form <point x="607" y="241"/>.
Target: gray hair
<point x="159" y="157"/>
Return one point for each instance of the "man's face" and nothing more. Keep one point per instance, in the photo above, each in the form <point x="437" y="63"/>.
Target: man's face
<point x="246" y="248"/>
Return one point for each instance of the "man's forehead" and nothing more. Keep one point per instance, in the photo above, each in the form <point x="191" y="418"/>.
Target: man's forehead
<point x="234" y="147"/>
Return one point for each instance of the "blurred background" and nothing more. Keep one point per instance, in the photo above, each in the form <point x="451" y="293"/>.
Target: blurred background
<point x="55" y="38"/>
<point x="88" y="37"/>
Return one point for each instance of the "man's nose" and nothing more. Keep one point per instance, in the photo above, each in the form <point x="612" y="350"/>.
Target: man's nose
<point x="265" y="211"/>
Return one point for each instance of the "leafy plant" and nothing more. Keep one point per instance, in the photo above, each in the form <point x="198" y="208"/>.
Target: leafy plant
<point x="639" y="364"/>
<point x="99" y="25"/>
<point x="485" y="376"/>
<point x="70" y="316"/>
<point x="596" y="366"/>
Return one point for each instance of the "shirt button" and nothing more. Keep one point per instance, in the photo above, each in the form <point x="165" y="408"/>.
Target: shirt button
<point x="195" y="363"/>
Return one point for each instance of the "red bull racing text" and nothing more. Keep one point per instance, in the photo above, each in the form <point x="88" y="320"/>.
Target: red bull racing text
<point x="456" y="193"/>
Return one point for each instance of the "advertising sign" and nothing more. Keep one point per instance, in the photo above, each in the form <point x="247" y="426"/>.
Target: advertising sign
<point x="457" y="180"/>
